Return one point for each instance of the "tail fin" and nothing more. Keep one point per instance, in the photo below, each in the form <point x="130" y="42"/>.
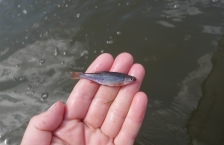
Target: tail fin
<point x="75" y="75"/>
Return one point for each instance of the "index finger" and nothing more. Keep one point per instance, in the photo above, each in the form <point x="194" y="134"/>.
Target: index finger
<point x="84" y="91"/>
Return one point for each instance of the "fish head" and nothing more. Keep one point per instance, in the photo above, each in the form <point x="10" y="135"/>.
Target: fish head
<point x="129" y="79"/>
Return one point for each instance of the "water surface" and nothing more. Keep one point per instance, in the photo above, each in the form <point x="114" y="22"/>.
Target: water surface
<point x="179" y="43"/>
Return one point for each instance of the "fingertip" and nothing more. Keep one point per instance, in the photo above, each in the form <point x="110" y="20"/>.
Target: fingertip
<point x="108" y="55"/>
<point x="126" y="56"/>
<point x="102" y="62"/>
<point x="58" y="104"/>
<point x="137" y="70"/>
<point x="50" y="119"/>
<point x="122" y="62"/>
<point x="141" y="98"/>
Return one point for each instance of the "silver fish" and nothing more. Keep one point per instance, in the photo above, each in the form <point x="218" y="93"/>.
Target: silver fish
<point x="106" y="78"/>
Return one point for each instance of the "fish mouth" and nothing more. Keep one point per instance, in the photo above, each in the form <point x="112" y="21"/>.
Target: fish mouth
<point x="133" y="79"/>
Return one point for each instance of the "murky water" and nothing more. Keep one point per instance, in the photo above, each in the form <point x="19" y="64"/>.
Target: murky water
<point x="179" y="43"/>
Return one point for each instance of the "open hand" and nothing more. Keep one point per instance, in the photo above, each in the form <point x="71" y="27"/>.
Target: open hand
<point x="88" y="118"/>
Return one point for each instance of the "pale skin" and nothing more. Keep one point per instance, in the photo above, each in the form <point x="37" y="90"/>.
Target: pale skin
<point x="87" y="118"/>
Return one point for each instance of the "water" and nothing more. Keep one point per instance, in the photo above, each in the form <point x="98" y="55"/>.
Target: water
<point x="179" y="43"/>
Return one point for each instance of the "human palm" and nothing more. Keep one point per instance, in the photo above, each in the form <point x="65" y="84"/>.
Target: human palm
<point x="94" y="114"/>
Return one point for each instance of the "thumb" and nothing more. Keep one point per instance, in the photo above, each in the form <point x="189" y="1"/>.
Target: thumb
<point x="40" y="127"/>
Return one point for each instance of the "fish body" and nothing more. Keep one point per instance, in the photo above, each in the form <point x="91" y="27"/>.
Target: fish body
<point x="106" y="78"/>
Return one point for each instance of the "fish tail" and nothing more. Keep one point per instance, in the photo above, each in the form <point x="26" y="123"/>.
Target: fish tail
<point x="76" y="75"/>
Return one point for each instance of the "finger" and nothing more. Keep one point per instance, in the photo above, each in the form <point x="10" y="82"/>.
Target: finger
<point x="99" y="106"/>
<point x="133" y="120"/>
<point x="82" y="94"/>
<point x="40" y="127"/>
<point x="119" y="108"/>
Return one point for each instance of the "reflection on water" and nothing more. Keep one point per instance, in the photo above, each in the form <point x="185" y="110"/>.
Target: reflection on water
<point x="41" y="41"/>
<point x="169" y="123"/>
<point x="205" y="125"/>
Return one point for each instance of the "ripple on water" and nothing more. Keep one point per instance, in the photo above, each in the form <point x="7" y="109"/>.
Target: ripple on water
<point x="215" y="1"/>
<point x="7" y="141"/>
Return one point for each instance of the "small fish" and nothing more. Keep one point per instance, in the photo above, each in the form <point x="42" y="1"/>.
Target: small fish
<point x="105" y="78"/>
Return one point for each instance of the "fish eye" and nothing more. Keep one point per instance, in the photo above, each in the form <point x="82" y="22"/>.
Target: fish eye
<point x="131" y="79"/>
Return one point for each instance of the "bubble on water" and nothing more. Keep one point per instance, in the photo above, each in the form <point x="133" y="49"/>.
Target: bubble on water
<point x="101" y="51"/>
<point x="25" y="11"/>
<point x="176" y="6"/>
<point x="41" y="61"/>
<point x="0" y="136"/>
<point x="118" y="33"/>
<point x="78" y="15"/>
<point x="215" y="1"/>
<point x="7" y="141"/>
<point x="38" y="81"/>
<point x="44" y="96"/>
<point x="18" y="6"/>
<point x="32" y="92"/>
<point x="17" y="65"/>
<point x="59" y="6"/>
<point x="56" y="52"/>
<point x="109" y="41"/>
<point x="33" y="74"/>
<point x="29" y="87"/>
<point x="21" y="78"/>
<point x="62" y="62"/>
<point x="64" y="53"/>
